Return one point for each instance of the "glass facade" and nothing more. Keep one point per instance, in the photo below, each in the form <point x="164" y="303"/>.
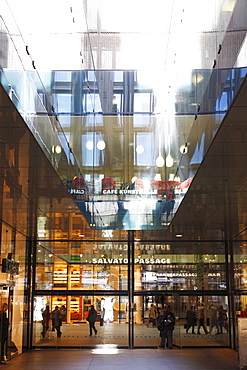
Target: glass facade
<point x="98" y="152"/>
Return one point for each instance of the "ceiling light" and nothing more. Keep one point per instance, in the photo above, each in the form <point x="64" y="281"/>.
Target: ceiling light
<point x="183" y="149"/>
<point x="139" y="149"/>
<point x="169" y="161"/>
<point x="179" y="235"/>
<point x="89" y="145"/>
<point x="101" y="145"/>
<point x="58" y="149"/>
<point x="160" y="161"/>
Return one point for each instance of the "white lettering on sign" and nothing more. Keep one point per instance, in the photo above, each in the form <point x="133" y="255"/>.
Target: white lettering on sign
<point x="77" y="191"/>
<point x="138" y="247"/>
<point x="126" y="192"/>
<point x="138" y="261"/>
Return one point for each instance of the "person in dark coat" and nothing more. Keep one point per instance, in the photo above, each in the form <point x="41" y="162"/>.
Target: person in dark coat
<point x="45" y="321"/>
<point x="57" y="320"/>
<point x="222" y="319"/>
<point x="201" y="313"/>
<point x="92" y="316"/>
<point x="191" y="319"/>
<point x="168" y="329"/>
<point x="4" y="324"/>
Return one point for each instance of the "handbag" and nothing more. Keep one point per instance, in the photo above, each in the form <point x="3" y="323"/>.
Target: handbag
<point x="185" y="326"/>
<point x="161" y="324"/>
<point x="101" y="321"/>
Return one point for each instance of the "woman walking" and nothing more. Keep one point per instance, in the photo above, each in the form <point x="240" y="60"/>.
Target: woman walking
<point x="92" y="316"/>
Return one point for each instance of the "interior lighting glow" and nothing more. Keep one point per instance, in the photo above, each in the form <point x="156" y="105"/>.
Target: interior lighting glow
<point x="58" y="149"/>
<point x="105" y="349"/>
<point x="101" y="145"/>
<point x="139" y="149"/>
<point x="89" y="145"/>
<point x="183" y="149"/>
<point x="169" y="161"/>
<point x="160" y="161"/>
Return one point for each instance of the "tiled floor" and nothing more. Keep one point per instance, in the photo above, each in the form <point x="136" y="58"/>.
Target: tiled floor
<point x="108" y="357"/>
<point x="77" y="335"/>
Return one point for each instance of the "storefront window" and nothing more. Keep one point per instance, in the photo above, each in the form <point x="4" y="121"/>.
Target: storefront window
<point x="110" y="321"/>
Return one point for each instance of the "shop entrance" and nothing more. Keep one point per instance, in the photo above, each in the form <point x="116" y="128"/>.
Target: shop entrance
<point x="117" y="322"/>
<point x="201" y="320"/>
<point x="111" y="321"/>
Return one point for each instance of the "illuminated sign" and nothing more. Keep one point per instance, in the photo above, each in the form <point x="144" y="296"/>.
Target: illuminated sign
<point x="140" y="261"/>
<point x="139" y="247"/>
<point x="126" y="192"/>
<point x="77" y="191"/>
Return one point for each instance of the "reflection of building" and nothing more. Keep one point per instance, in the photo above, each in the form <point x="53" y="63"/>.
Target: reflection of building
<point x="129" y="226"/>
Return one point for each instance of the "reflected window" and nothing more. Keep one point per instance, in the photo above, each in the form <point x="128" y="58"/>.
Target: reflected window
<point x="62" y="76"/>
<point x="118" y="76"/>
<point x="91" y="155"/>
<point x="91" y="103"/>
<point x="64" y="103"/>
<point x="64" y="140"/>
<point x="142" y="121"/>
<point x="94" y="120"/>
<point x="91" y="76"/>
<point x="142" y="102"/>
<point x="144" y="148"/>
<point x="65" y="121"/>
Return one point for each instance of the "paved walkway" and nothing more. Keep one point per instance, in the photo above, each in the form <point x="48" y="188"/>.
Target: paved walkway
<point x="108" y="357"/>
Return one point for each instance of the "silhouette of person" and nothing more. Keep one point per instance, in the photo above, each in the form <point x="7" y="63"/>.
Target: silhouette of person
<point x="92" y="316"/>
<point x="201" y="319"/>
<point x="57" y="320"/>
<point x="167" y="329"/>
<point x="45" y="321"/>
<point x="213" y="318"/>
<point x="191" y="319"/>
<point x="4" y="323"/>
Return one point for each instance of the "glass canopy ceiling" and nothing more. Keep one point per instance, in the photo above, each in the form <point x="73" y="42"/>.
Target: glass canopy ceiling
<point x="130" y="87"/>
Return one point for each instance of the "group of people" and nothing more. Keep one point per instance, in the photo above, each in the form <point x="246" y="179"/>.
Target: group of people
<point x="198" y="319"/>
<point x="57" y="316"/>
<point x="164" y="320"/>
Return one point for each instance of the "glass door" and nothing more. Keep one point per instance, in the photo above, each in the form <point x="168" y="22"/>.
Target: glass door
<point x="200" y="320"/>
<point x="110" y="327"/>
